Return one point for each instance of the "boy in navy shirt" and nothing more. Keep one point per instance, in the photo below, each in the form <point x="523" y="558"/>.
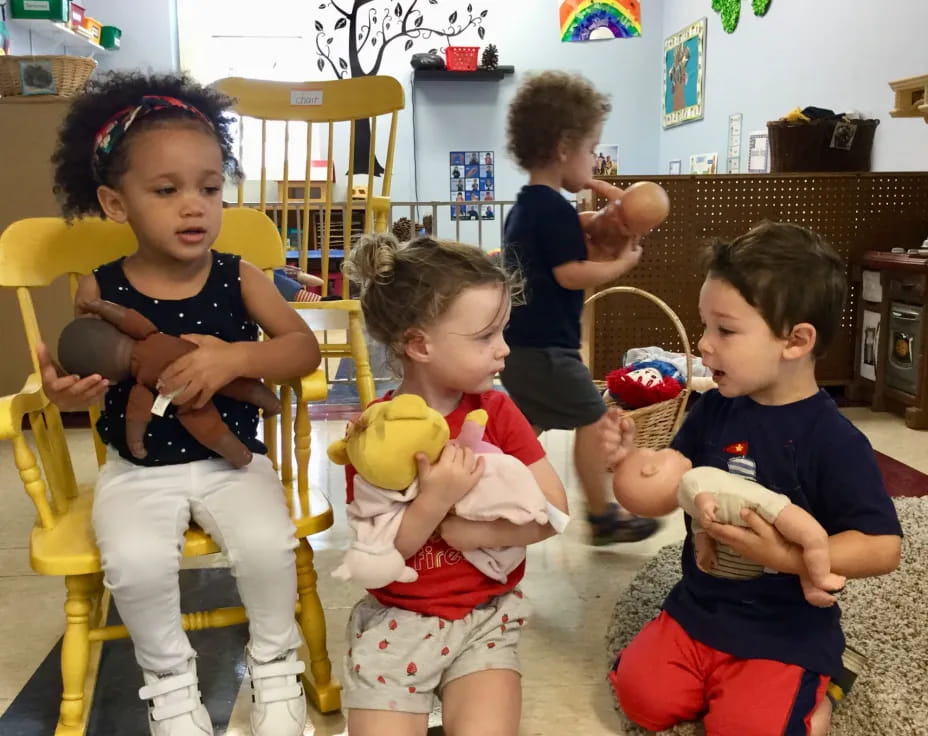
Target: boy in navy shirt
<point x="555" y="121"/>
<point x="751" y="656"/>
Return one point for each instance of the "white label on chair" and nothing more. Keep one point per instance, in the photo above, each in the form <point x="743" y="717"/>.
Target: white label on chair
<point x="305" y="96"/>
<point x="163" y="402"/>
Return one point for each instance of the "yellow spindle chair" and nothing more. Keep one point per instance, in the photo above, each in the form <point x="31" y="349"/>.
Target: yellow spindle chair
<point x="345" y="101"/>
<point x="33" y="253"/>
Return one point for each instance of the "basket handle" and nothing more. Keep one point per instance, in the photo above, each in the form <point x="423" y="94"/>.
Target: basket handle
<point x="662" y="305"/>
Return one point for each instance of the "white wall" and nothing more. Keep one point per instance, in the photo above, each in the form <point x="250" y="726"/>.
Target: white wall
<point x="838" y="54"/>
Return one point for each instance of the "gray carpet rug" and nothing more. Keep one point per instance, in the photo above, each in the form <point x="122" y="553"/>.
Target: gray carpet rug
<point x="886" y="618"/>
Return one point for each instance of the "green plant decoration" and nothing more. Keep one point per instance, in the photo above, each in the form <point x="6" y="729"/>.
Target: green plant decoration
<point x="730" y="11"/>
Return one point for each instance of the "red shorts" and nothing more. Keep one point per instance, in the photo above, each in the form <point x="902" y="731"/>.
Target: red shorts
<point x="664" y="677"/>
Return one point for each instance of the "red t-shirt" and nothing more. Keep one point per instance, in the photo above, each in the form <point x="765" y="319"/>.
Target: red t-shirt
<point x="448" y="585"/>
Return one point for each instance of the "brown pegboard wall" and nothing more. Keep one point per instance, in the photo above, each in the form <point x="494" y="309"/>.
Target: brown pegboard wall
<point x="854" y="212"/>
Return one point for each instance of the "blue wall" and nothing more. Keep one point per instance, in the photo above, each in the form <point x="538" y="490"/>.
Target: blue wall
<point x="838" y="54"/>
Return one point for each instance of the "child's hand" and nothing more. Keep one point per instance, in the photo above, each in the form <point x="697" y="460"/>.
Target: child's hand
<point x="452" y="477"/>
<point x="607" y="224"/>
<point x="760" y="542"/>
<point x="617" y="436"/>
<point x="202" y="372"/>
<point x="69" y="393"/>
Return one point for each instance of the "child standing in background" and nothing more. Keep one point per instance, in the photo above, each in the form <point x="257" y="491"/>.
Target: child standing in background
<point x="555" y="122"/>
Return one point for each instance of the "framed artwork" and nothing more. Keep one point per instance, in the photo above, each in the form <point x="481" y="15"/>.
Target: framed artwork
<point x="758" y="153"/>
<point x="684" y="66"/>
<point x="607" y="160"/>
<point x="594" y="20"/>
<point x="704" y="163"/>
<point x="471" y="183"/>
<point x="676" y="165"/>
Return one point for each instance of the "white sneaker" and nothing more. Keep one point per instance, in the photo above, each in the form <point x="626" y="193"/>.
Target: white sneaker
<point x="278" y="703"/>
<point x="175" y="707"/>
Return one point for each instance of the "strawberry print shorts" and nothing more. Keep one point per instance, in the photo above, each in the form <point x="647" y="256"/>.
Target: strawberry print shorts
<point x="399" y="660"/>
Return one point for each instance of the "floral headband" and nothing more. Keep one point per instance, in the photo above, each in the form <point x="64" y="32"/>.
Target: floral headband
<point x="114" y="129"/>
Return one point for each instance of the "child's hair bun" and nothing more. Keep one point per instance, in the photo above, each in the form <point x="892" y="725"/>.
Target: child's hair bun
<point x="373" y="259"/>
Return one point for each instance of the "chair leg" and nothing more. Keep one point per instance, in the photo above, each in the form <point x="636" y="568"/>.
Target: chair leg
<point x="362" y="361"/>
<point x="75" y="654"/>
<point x="324" y="692"/>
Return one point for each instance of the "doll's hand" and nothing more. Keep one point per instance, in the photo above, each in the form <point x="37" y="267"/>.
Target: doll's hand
<point x="617" y="436"/>
<point x="202" y="372"/>
<point x="708" y="508"/>
<point x="452" y="477"/>
<point x="69" y="393"/>
<point x="760" y="542"/>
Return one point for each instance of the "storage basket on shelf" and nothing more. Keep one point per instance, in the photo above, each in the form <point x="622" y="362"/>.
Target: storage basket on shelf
<point x="461" y="58"/>
<point x="70" y="72"/>
<point x="656" y="424"/>
<point x="807" y="146"/>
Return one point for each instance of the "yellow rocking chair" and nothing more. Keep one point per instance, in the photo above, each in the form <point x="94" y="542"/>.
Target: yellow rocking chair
<point x="357" y="102"/>
<point x="33" y="253"/>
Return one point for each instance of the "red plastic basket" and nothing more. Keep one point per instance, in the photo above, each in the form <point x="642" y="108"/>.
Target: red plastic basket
<point x="461" y="58"/>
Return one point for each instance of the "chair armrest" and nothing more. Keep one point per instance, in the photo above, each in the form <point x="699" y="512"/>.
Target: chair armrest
<point x="311" y="388"/>
<point x="16" y="406"/>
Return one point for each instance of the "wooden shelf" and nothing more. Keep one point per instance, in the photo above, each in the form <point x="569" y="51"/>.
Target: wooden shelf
<point x="59" y="33"/>
<point x="479" y="75"/>
<point x="911" y="98"/>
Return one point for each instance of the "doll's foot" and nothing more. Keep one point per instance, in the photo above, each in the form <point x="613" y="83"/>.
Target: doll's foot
<point x="231" y="448"/>
<point x="613" y="527"/>
<point x="818" y="596"/>
<point x="832" y="582"/>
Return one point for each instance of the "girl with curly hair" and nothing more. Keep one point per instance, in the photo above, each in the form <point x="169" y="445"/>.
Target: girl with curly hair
<point x="152" y="152"/>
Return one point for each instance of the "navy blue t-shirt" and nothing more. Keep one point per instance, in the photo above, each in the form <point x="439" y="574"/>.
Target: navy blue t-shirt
<point x="542" y="232"/>
<point x="810" y="452"/>
<point x="217" y="310"/>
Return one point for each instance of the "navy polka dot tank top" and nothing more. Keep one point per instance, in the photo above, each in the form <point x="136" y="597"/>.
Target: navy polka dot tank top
<point x="217" y="310"/>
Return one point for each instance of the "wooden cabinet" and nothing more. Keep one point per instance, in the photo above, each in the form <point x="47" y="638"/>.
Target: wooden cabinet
<point x="891" y="355"/>
<point x="28" y="129"/>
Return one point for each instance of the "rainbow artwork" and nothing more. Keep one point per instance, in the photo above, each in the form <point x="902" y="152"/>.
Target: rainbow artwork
<point x="594" y="20"/>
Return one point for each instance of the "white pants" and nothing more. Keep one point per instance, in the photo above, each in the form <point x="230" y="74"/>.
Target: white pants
<point x="140" y="515"/>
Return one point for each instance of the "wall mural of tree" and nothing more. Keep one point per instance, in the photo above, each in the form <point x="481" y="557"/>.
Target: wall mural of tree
<point x="355" y="42"/>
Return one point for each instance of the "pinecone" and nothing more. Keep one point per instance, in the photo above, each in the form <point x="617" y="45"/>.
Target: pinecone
<point x="490" y="57"/>
<point x="402" y="229"/>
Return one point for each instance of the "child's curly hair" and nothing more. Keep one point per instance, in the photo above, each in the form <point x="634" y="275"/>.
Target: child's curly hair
<point x="412" y="285"/>
<point x="75" y="181"/>
<point x="548" y="109"/>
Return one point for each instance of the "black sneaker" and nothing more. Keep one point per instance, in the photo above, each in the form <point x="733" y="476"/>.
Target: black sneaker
<point x="612" y="527"/>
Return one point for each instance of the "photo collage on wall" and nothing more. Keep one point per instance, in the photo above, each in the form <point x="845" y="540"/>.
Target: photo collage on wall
<point x="471" y="176"/>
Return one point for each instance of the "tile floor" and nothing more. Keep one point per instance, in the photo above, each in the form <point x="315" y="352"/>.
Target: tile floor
<point x="572" y="585"/>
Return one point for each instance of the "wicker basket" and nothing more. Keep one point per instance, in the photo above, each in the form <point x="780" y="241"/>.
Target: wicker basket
<point x="71" y="73"/>
<point x="655" y="425"/>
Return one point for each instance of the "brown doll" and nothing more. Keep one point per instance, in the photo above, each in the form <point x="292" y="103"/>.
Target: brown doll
<point x="123" y="343"/>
